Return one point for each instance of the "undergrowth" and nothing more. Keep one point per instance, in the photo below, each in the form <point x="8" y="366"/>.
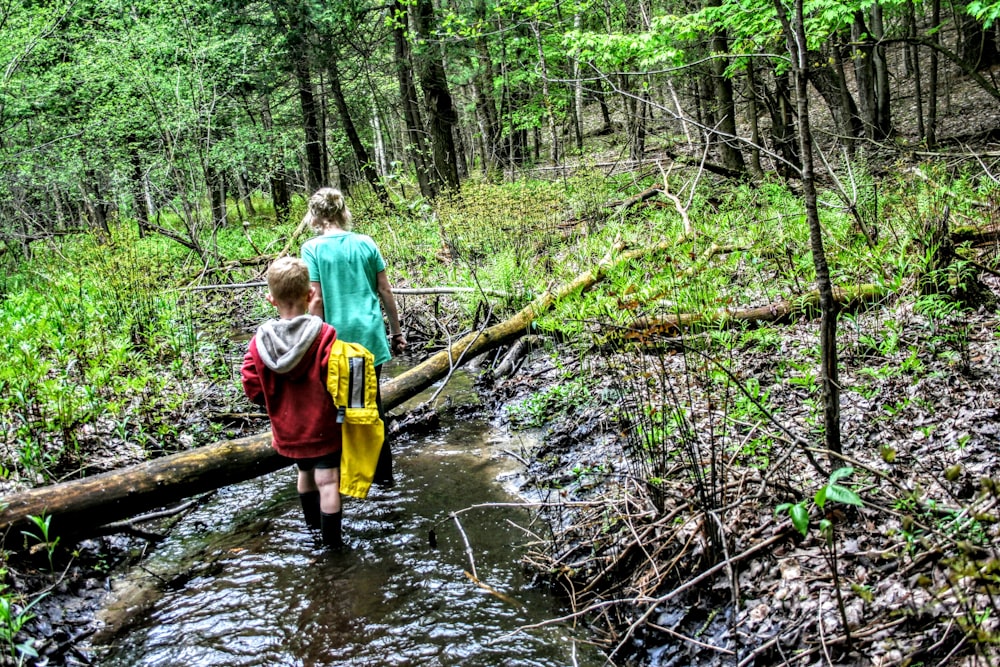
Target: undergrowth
<point x="105" y="343"/>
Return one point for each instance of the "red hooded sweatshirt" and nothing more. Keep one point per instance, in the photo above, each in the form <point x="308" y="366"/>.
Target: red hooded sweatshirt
<point x="285" y="370"/>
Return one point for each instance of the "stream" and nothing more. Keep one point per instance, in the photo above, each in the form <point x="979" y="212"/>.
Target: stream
<point x="241" y="581"/>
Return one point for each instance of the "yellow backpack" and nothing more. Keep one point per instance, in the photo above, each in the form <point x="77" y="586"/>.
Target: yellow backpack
<point x="352" y="383"/>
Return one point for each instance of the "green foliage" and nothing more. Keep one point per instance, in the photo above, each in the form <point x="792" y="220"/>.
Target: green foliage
<point x="554" y="401"/>
<point x="98" y="346"/>
<point x="13" y="616"/>
<point x="829" y="492"/>
<point x="43" y="537"/>
<point x="987" y="12"/>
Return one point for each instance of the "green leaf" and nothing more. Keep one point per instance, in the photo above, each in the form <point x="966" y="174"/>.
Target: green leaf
<point x="840" y="473"/>
<point x="820" y="498"/>
<point x="800" y="518"/>
<point x="841" y="494"/>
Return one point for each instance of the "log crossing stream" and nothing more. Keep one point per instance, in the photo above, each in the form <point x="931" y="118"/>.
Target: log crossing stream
<point x="241" y="581"/>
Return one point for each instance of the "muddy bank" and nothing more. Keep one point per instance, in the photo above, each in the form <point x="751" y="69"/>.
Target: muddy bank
<point x="673" y="535"/>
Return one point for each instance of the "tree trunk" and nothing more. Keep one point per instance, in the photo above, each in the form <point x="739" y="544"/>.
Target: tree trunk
<point x="782" y="125"/>
<point x="855" y="127"/>
<point x="96" y="207"/>
<point x="826" y="79"/>
<point x="215" y="183"/>
<point x="977" y="47"/>
<point x="577" y="90"/>
<point x="864" y="74"/>
<point x="244" y="190"/>
<point x="486" y="108"/>
<point x="881" y="69"/>
<point x="347" y="123"/>
<point x="550" y="115"/>
<point x="416" y="144"/>
<point x="310" y="124"/>
<point x="932" y="78"/>
<point x="795" y="37"/>
<point x="913" y="52"/>
<point x="437" y="98"/>
<point x="280" y="196"/>
<point x="753" y="116"/>
<point x="136" y="184"/>
<point x="784" y="311"/>
<point x="732" y="157"/>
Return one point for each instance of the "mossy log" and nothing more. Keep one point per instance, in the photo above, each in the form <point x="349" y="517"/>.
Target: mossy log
<point x="847" y="298"/>
<point x="78" y="507"/>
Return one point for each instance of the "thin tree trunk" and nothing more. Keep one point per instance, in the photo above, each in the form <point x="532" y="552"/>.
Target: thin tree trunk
<point x="732" y="157"/>
<point x="796" y="40"/>
<point x="914" y="57"/>
<point x="855" y="127"/>
<point x="347" y="123"/>
<point x="246" y="195"/>
<point x="753" y="117"/>
<point x="864" y="75"/>
<point x="310" y="124"/>
<point x="550" y="116"/>
<point x="280" y="197"/>
<point x="577" y="89"/>
<point x="602" y="100"/>
<point x="932" y="82"/>
<point x="139" y="209"/>
<point x="881" y="69"/>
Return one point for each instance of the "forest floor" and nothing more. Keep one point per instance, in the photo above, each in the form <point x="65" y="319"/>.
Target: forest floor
<point x="913" y="567"/>
<point x="910" y="571"/>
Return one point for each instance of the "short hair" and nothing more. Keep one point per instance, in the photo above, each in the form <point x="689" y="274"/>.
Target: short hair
<point x="327" y="207"/>
<point x="288" y="279"/>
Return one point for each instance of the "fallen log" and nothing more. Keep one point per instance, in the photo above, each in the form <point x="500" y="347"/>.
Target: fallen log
<point x="77" y="507"/>
<point x="648" y="328"/>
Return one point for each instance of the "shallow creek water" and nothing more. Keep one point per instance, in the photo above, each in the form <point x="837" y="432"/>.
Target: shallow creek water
<point x="241" y="581"/>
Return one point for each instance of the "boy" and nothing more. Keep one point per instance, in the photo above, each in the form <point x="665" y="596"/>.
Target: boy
<point x="285" y="370"/>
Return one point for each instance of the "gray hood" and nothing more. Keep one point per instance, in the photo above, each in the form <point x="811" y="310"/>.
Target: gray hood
<point x="282" y="343"/>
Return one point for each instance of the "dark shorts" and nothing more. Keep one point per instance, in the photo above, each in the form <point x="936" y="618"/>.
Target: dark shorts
<point x="325" y="462"/>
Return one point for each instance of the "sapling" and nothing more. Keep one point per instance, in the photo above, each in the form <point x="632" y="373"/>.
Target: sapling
<point x="799" y="514"/>
<point x="44" y="538"/>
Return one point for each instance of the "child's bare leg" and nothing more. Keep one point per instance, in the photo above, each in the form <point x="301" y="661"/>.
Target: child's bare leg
<point x="327" y="480"/>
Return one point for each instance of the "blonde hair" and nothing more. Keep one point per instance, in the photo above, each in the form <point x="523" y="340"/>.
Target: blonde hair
<point x="288" y="279"/>
<point x="327" y="208"/>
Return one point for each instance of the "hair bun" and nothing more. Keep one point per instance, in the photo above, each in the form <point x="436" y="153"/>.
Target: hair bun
<point x="334" y="199"/>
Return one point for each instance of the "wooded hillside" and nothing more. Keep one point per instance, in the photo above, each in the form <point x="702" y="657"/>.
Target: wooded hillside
<point x="110" y="108"/>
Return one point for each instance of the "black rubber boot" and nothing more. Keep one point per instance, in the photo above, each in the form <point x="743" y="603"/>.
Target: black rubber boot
<point x="330" y="527"/>
<point x="310" y="508"/>
<point x="383" y="468"/>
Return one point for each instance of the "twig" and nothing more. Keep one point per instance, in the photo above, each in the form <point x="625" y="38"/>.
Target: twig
<point x="128" y="526"/>
<point x="710" y="572"/>
<point x="468" y="547"/>
<point x="492" y="591"/>
<point x="654" y="602"/>
<point x="822" y="635"/>
<point x="691" y="640"/>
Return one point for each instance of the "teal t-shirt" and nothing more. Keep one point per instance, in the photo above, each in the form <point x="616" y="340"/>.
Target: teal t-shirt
<point x="345" y="265"/>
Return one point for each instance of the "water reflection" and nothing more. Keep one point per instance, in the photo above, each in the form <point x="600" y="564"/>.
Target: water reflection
<point x="249" y="585"/>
